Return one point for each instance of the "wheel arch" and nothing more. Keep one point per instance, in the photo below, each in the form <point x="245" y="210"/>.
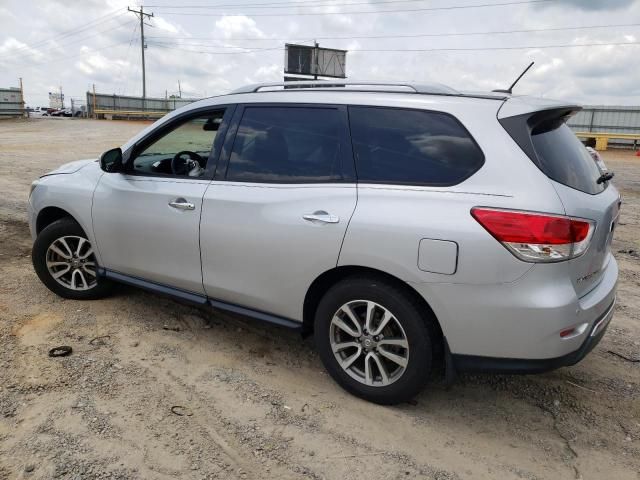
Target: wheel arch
<point x="326" y="280"/>
<point x="48" y="215"/>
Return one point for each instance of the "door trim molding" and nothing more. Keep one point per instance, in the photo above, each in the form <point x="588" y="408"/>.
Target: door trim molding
<point x="198" y="299"/>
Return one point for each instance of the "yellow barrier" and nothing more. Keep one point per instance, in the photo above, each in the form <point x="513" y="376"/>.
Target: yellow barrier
<point x="602" y="138"/>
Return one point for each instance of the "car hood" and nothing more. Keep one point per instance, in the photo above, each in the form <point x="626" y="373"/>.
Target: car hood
<point x="71" y="167"/>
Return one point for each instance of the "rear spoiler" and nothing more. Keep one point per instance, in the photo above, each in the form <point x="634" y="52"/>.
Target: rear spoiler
<point x="521" y="127"/>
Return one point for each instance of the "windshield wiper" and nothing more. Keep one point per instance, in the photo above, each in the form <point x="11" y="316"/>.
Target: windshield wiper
<point x="605" y="177"/>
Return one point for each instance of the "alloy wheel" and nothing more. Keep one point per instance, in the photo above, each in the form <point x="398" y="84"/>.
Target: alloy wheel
<point x="71" y="262"/>
<point x="369" y="343"/>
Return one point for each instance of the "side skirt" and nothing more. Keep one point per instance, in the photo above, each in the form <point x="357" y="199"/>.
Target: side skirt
<point x="199" y="299"/>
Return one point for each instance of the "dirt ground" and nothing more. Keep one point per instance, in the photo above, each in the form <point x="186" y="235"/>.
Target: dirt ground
<point x="253" y="401"/>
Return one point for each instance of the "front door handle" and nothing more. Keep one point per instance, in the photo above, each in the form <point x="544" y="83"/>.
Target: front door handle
<point x="182" y="204"/>
<point x="321" y="216"/>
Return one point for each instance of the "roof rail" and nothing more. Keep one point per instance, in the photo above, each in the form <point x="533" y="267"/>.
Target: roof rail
<point x="434" y="88"/>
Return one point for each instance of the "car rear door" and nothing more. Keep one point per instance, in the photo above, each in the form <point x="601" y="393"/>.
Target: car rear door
<point x="275" y="216"/>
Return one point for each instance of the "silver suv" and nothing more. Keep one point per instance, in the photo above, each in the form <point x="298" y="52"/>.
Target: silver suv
<point x="406" y="227"/>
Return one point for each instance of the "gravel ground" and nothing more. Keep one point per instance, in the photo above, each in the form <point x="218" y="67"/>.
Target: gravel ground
<point x="158" y="389"/>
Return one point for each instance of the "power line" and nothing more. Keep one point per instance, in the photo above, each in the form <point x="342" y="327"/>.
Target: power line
<point x="126" y="61"/>
<point x="127" y="77"/>
<point x="74" y="31"/>
<point x="75" y="41"/>
<point x="85" y="26"/>
<point x="478" y="49"/>
<point x="178" y="44"/>
<point x="136" y="70"/>
<point x="411" y="35"/>
<point x="409" y="10"/>
<point x="70" y="57"/>
<point x="217" y="53"/>
<point x="475" y="49"/>
<point x="287" y="4"/>
<point x="275" y="5"/>
<point x="415" y="50"/>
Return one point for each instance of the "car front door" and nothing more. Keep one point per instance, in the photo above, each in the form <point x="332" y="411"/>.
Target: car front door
<point x="146" y="218"/>
<point x="275" y="216"/>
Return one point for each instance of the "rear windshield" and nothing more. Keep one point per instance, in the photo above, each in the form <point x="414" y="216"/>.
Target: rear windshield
<point x="563" y="158"/>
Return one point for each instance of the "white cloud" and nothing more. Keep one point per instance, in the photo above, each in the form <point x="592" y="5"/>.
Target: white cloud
<point x="161" y="24"/>
<point x="217" y="85"/>
<point x="265" y="73"/>
<point x="269" y="72"/>
<point x="12" y="48"/>
<point x="546" y="68"/>
<point x="99" y="66"/>
<point x="336" y="22"/>
<point x="7" y="14"/>
<point x="234" y="26"/>
<point x="589" y="4"/>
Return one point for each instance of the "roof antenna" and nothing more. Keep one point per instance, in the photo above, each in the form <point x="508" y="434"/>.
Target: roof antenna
<point x="510" y="89"/>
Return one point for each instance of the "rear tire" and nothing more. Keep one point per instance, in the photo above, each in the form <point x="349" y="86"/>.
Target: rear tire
<point x="386" y="360"/>
<point x="64" y="260"/>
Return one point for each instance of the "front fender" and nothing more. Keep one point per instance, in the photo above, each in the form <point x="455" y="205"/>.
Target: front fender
<point x="72" y="193"/>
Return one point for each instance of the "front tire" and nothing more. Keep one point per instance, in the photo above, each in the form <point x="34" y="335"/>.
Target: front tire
<point x="65" y="262"/>
<point x="374" y="339"/>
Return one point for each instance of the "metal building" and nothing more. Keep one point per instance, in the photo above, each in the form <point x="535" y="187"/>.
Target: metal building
<point x="119" y="106"/>
<point x="608" y="119"/>
<point x="11" y="102"/>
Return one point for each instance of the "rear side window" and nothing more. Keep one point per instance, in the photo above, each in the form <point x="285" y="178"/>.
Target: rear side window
<point x="288" y="145"/>
<point x="411" y="147"/>
<point x="563" y="158"/>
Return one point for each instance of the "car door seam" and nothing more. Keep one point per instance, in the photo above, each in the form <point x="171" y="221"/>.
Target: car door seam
<point x="93" y="230"/>
<point x="355" y="172"/>
<point x="204" y="289"/>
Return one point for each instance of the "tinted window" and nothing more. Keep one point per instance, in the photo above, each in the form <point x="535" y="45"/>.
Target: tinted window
<point x="563" y="158"/>
<point x="285" y="144"/>
<point x="411" y="147"/>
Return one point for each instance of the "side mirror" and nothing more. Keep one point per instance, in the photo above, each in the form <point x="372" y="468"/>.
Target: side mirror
<point x="111" y="160"/>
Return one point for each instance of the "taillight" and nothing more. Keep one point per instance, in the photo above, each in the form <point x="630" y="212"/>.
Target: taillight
<point x="536" y="237"/>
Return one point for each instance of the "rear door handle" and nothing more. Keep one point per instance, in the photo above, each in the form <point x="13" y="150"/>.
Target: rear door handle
<point x="182" y="204"/>
<point x="321" y="216"/>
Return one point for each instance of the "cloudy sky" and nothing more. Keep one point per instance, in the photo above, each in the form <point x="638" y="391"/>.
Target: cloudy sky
<point x="213" y="46"/>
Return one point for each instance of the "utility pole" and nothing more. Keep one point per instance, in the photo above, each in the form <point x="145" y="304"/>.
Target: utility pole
<point x="94" y="102"/>
<point x="141" y="14"/>
<point x="61" y="99"/>
<point x="22" y="97"/>
<point x="315" y="77"/>
<point x="179" y="90"/>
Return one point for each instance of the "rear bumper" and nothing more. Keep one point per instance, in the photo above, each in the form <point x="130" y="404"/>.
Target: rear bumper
<point x="522" y="319"/>
<point x="474" y="363"/>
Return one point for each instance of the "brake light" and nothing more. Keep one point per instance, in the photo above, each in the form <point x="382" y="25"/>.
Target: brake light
<point x="536" y="237"/>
